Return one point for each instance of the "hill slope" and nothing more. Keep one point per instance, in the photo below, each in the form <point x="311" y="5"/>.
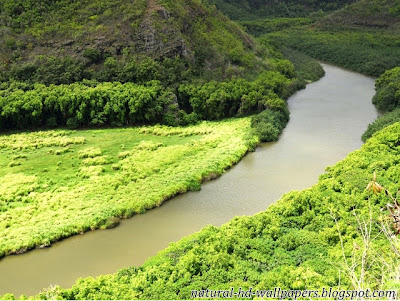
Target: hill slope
<point x="363" y="37"/>
<point x="182" y="49"/>
<point x="252" y="9"/>
<point x="367" y="13"/>
<point x="65" y="41"/>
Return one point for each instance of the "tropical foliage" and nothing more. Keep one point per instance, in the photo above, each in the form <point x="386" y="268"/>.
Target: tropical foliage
<point x="97" y="104"/>
<point x="297" y="243"/>
<point x="367" y="13"/>
<point x="382" y="122"/>
<point x="387" y="98"/>
<point x="262" y="26"/>
<point x="307" y="69"/>
<point x="362" y="36"/>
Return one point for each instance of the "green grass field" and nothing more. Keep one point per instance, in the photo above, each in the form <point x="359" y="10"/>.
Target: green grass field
<point x="54" y="184"/>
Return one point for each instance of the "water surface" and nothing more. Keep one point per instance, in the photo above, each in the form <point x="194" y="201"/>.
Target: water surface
<point x="326" y="122"/>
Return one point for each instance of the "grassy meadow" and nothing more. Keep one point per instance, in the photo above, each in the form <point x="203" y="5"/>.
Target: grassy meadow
<point x="57" y="183"/>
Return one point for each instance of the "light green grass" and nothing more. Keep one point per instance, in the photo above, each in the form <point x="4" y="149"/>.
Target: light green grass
<point x="54" y="184"/>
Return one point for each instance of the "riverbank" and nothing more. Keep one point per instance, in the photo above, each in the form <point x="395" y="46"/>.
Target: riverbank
<point x="297" y="243"/>
<point x="305" y="148"/>
<point x="55" y="184"/>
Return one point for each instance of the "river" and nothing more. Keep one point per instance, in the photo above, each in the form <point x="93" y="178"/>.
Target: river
<point x="326" y="122"/>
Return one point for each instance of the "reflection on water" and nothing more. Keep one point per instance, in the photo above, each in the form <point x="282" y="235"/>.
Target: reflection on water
<point x="327" y="120"/>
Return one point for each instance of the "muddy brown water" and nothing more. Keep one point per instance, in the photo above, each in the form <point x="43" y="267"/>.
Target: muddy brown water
<point x="326" y="122"/>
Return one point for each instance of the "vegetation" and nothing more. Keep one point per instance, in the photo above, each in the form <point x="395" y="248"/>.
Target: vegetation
<point x="297" y="243"/>
<point x="370" y="52"/>
<point x="97" y="104"/>
<point x="262" y="26"/>
<point x="64" y="42"/>
<point x="256" y="9"/>
<point x="307" y="69"/>
<point x="367" y="13"/>
<point x="54" y="184"/>
<point x="270" y="123"/>
<point x="362" y="36"/>
<point x="387" y="98"/>
<point x="122" y="63"/>
<point x="382" y="122"/>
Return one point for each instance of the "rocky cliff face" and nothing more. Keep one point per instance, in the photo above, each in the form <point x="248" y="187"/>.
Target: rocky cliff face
<point x="160" y="41"/>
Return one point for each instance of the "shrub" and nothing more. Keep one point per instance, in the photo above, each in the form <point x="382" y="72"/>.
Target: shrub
<point x="94" y="55"/>
<point x="387" y="96"/>
<point x="269" y="124"/>
<point x="382" y="122"/>
<point x="89" y="153"/>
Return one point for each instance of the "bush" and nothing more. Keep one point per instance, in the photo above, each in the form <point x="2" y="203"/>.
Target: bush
<point x="49" y="70"/>
<point x="382" y="122"/>
<point x="306" y="68"/>
<point x="387" y="86"/>
<point x="94" y="55"/>
<point x="237" y="97"/>
<point x="269" y="124"/>
<point x="82" y="104"/>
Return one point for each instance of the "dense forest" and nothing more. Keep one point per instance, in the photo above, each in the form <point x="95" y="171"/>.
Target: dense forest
<point x="369" y="47"/>
<point x="97" y="104"/>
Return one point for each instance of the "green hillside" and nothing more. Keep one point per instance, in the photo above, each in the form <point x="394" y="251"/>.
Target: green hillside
<point x="65" y="41"/>
<point x="368" y="14"/>
<point x="363" y="36"/>
<point x="253" y="9"/>
<point x="170" y="62"/>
